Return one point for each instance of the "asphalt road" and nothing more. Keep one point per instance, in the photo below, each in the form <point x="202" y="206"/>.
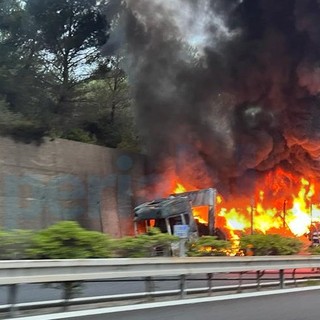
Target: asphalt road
<point x="292" y="306"/>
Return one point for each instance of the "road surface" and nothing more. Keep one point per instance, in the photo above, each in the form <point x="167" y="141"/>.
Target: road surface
<point x="289" y="306"/>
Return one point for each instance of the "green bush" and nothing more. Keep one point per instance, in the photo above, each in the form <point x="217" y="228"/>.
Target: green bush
<point x="270" y="244"/>
<point x="78" y="134"/>
<point x="67" y="240"/>
<point x="14" y="244"/>
<point x="146" y="245"/>
<point x="314" y="250"/>
<point x="208" y="246"/>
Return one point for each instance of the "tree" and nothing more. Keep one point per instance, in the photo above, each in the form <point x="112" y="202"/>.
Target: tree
<point x="54" y="80"/>
<point x="107" y="106"/>
<point x="70" y="33"/>
<point x="20" y="87"/>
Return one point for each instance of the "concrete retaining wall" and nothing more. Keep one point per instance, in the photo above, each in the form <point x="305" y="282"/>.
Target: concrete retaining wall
<point x="67" y="180"/>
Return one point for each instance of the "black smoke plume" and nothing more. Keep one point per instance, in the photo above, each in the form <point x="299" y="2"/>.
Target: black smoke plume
<point x="227" y="90"/>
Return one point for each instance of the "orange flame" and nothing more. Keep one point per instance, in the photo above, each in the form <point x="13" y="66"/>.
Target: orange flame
<point x="282" y="203"/>
<point x="198" y="212"/>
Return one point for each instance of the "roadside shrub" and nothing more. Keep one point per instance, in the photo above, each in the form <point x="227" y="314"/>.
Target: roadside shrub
<point x="314" y="250"/>
<point x="78" y="134"/>
<point x="151" y="244"/>
<point x="67" y="240"/>
<point x="270" y="244"/>
<point x="14" y="244"/>
<point x="208" y="246"/>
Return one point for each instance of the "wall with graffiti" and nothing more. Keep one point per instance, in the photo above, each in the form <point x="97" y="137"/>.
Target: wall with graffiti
<point x="67" y="180"/>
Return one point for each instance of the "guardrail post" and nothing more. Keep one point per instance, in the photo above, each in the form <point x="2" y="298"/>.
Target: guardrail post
<point x="294" y="277"/>
<point x="259" y="275"/>
<point x="282" y="278"/>
<point x="149" y="287"/>
<point x="182" y="286"/>
<point x="12" y="298"/>
<point x="240" y="283"/>
<point x="69" y="289"/>
<point x="209" y="277"/>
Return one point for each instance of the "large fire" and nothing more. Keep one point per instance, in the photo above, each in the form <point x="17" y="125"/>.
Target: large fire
<point x="283" y="204"/>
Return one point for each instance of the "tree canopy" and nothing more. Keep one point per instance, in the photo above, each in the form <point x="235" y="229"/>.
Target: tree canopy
<point x="54" y="81"/>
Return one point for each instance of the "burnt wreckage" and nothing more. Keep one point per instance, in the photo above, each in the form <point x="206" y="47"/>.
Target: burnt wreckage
<point x="177" y="209"/>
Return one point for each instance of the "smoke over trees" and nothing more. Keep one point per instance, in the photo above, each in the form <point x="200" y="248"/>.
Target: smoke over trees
<point x="223" y="90"/>
<point x="230" y="87"/>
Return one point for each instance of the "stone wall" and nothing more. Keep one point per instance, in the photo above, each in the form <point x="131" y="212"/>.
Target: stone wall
<point x="67" y="180"/>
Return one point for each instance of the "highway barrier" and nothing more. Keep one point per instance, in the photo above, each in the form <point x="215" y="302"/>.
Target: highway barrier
<point x="13" y="273"/>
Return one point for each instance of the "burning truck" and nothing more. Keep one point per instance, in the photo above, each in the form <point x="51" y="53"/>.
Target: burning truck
<point x="207" y="213"/>
<point x="240" y="111"/>
<point x="178" y="209"/>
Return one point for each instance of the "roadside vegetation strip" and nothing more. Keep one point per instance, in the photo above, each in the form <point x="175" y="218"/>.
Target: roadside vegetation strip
<point x="162" y="304"/>
<point x="68" y="240"/>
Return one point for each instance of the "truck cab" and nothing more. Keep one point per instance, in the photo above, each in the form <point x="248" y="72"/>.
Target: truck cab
<point x="177" y="209"/>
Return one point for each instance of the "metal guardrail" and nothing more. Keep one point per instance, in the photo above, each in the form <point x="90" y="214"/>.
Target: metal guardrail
<point x="13" y="273"/>
<point x="143" y="295"/>
<point x="44" y="271"/>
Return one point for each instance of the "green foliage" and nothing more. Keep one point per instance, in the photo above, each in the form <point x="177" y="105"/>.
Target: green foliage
<point x="145" y="245"/>
<point x="208" y="246"/>
<point x="17" y="126"/>
<point x="79" y="24"/>
<point x="314" y="250"/>
<point x="53" y="78"/>
<point x="270" y="244"/>
<point x="67" y="240"/>
<point x="78" y="134"/>
<point x="111" y="120"/>
<point x="14" y="244"/>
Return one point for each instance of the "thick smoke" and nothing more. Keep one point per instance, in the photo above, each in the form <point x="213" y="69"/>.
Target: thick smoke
<point x="227" y="90"/>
